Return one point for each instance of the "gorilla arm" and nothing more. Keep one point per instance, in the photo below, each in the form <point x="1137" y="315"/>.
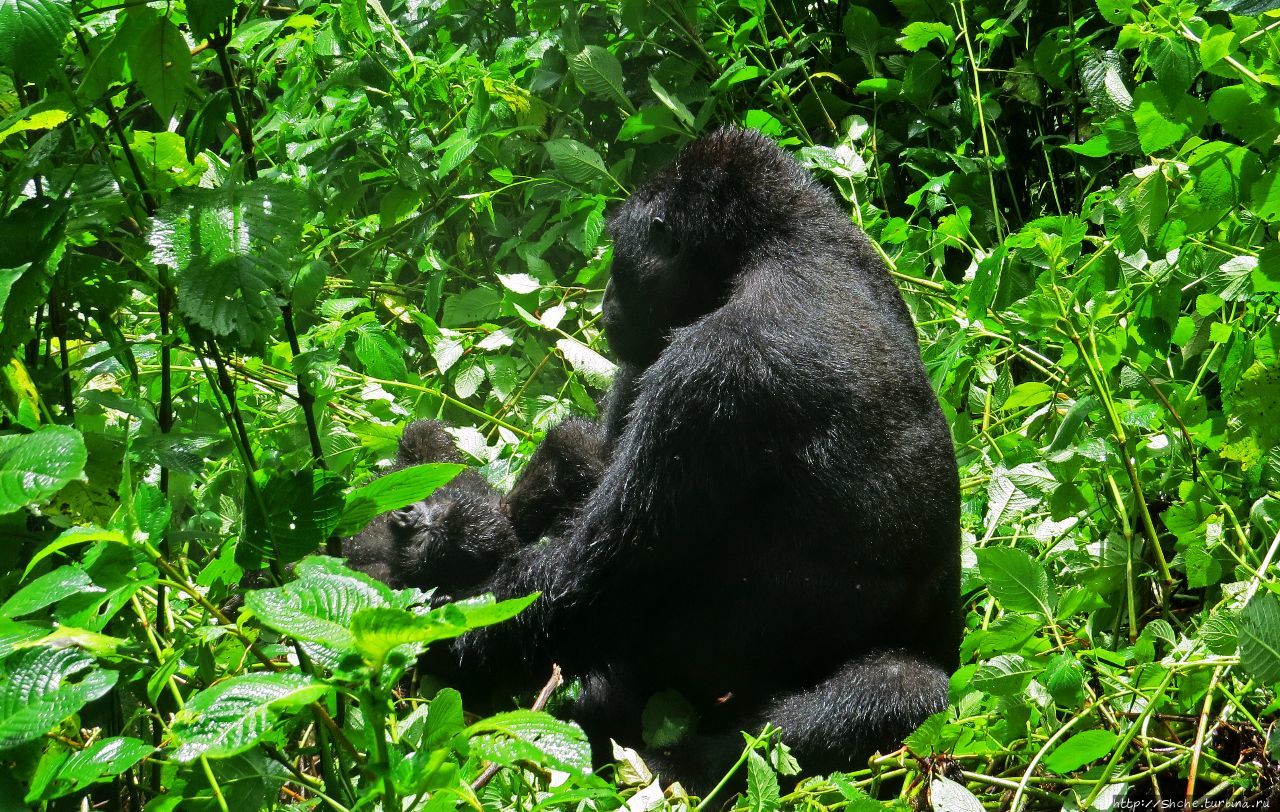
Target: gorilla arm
<point x="657" y="481"/>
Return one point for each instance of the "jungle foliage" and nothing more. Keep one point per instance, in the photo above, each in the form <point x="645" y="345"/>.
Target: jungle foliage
<point x="243" y="243"/>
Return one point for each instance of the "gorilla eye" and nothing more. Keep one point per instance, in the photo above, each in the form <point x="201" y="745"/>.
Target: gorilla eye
<point x="661" y="237"/>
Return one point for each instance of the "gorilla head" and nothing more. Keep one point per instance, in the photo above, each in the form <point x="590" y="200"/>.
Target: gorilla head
<point x="680" y="241"/>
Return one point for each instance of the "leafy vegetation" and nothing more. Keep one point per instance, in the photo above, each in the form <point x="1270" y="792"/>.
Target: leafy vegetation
<point x="245" y="242"/>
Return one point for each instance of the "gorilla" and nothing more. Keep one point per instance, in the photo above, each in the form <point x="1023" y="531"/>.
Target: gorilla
<point x="768" y="520"/>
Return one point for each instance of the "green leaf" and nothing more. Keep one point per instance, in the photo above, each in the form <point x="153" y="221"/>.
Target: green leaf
<point x="444" y="719"/>
<point x="762" y="785"/>
<point x="234" y="715"/>
<point x="471" y="307"/>
<point x="1260" y="638"/>
<point x="576" y="161"/>
<point x="671" y="102"/>
<point x="591" y="365"/>
<point x="862" y="31"/>
<point x="1153" y="117"/>
<point x="99" y="761"/>
<point x="600" y="74"/>
<point x="159" y="58"/>
<point x="919" y="34"/>
<point x="1005" y="675"/>
<point x="302" y="509"/>
<point x="35" y="466"/>
<point x="37" y="691"/>
<point x="946" y="795"/>
<point x="31" y="35"/>
<point x="667" y="718"/>
<point x="393" y="491"/>
<point x="380" y="352"/>
<point x="234" y="249"/>
<point x="1079" y="750"/>
<point x="33" y="238"/>
<point x="319" y="605"/>
<point x="48" y="589"/>
<point x="1017" y="580"/>
<point x="563" y="745"/>
<point x="1030" y="393"/>
<point x="1116" y="12"/>
<point x="1245" y="8"/>
<point x="1105" y="75"/>
<point x="206" y="17"/>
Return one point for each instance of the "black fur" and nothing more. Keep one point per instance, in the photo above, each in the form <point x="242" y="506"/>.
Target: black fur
<point x="775" y="528"/>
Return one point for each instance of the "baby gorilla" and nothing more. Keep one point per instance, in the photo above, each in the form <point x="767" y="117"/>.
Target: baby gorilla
<point x="456" y="538"/>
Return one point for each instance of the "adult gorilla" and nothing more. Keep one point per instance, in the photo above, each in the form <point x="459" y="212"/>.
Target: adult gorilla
<point x="775" y="529"/>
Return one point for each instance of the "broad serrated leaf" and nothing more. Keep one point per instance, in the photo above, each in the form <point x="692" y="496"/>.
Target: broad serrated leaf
<point x="99" y="761"/>
<point x="591" y="365"/>
<point x="576" y="161"/>
<point x="319" y="605"/>
<point x="1105" y="75"/>
<point x="31" y="35"/>
<point x="235" y="714"/>
<point x="37" y="691"/>
<point x="297" y="511"/>
<point x="471" y="307"/>
<point x="672" y="103"/>
<point x="1017" y="580"/>
<point x="376" y="631"/>
<point x="600" y="74"/>
<point x="946" y="795"/>
<point x="393" y="491"/>
<point x="234" y="250"/>
<point x="380" y="352"/>
<point x="1260" y="638"/>
<point x="762" y="785"/>
<point x="35" y="466"/>
<point x="562" y="744"/>
<point x="1005" y="675"/>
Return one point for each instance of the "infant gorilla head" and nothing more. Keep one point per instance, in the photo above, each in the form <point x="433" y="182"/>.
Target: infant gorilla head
<point x="770" y="513"/>
<point x="455" y="539"/>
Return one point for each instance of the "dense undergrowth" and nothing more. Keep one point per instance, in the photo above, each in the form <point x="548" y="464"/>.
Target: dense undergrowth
<point x="243" y="243"/>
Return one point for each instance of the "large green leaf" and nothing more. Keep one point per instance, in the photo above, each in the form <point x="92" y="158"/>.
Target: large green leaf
<point x="576" y="161"/>
<point x="378" y="630"/>
<point x="600" y="74"/>
<point x="35" y="466"/>
<point x="319" y="605"/>
<point x="1079" y="750"/>
<point x="31" y="35"/>
<point x="560" y="744"/>
<point x="391" y="492"/>
<point x="99" y="761"/>
<point x="234" y="250"/>
<point x="159" y="58"/>
<point x="1017" y="580"/>
<point x="1260" y="638"/>
<point x="33" y="239"/>
<point x="37" y="691"/>
<point x="296" y="513"/>
<point x="235" y="714"/>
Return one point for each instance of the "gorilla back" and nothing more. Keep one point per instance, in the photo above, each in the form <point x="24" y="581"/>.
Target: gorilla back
<point x="775" y="533"/>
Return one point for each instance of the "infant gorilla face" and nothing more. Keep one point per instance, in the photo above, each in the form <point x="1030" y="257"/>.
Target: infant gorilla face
<point x="454" y="539"/>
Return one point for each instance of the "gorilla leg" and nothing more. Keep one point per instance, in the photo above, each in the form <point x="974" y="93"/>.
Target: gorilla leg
<point x="868" y="705"/>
